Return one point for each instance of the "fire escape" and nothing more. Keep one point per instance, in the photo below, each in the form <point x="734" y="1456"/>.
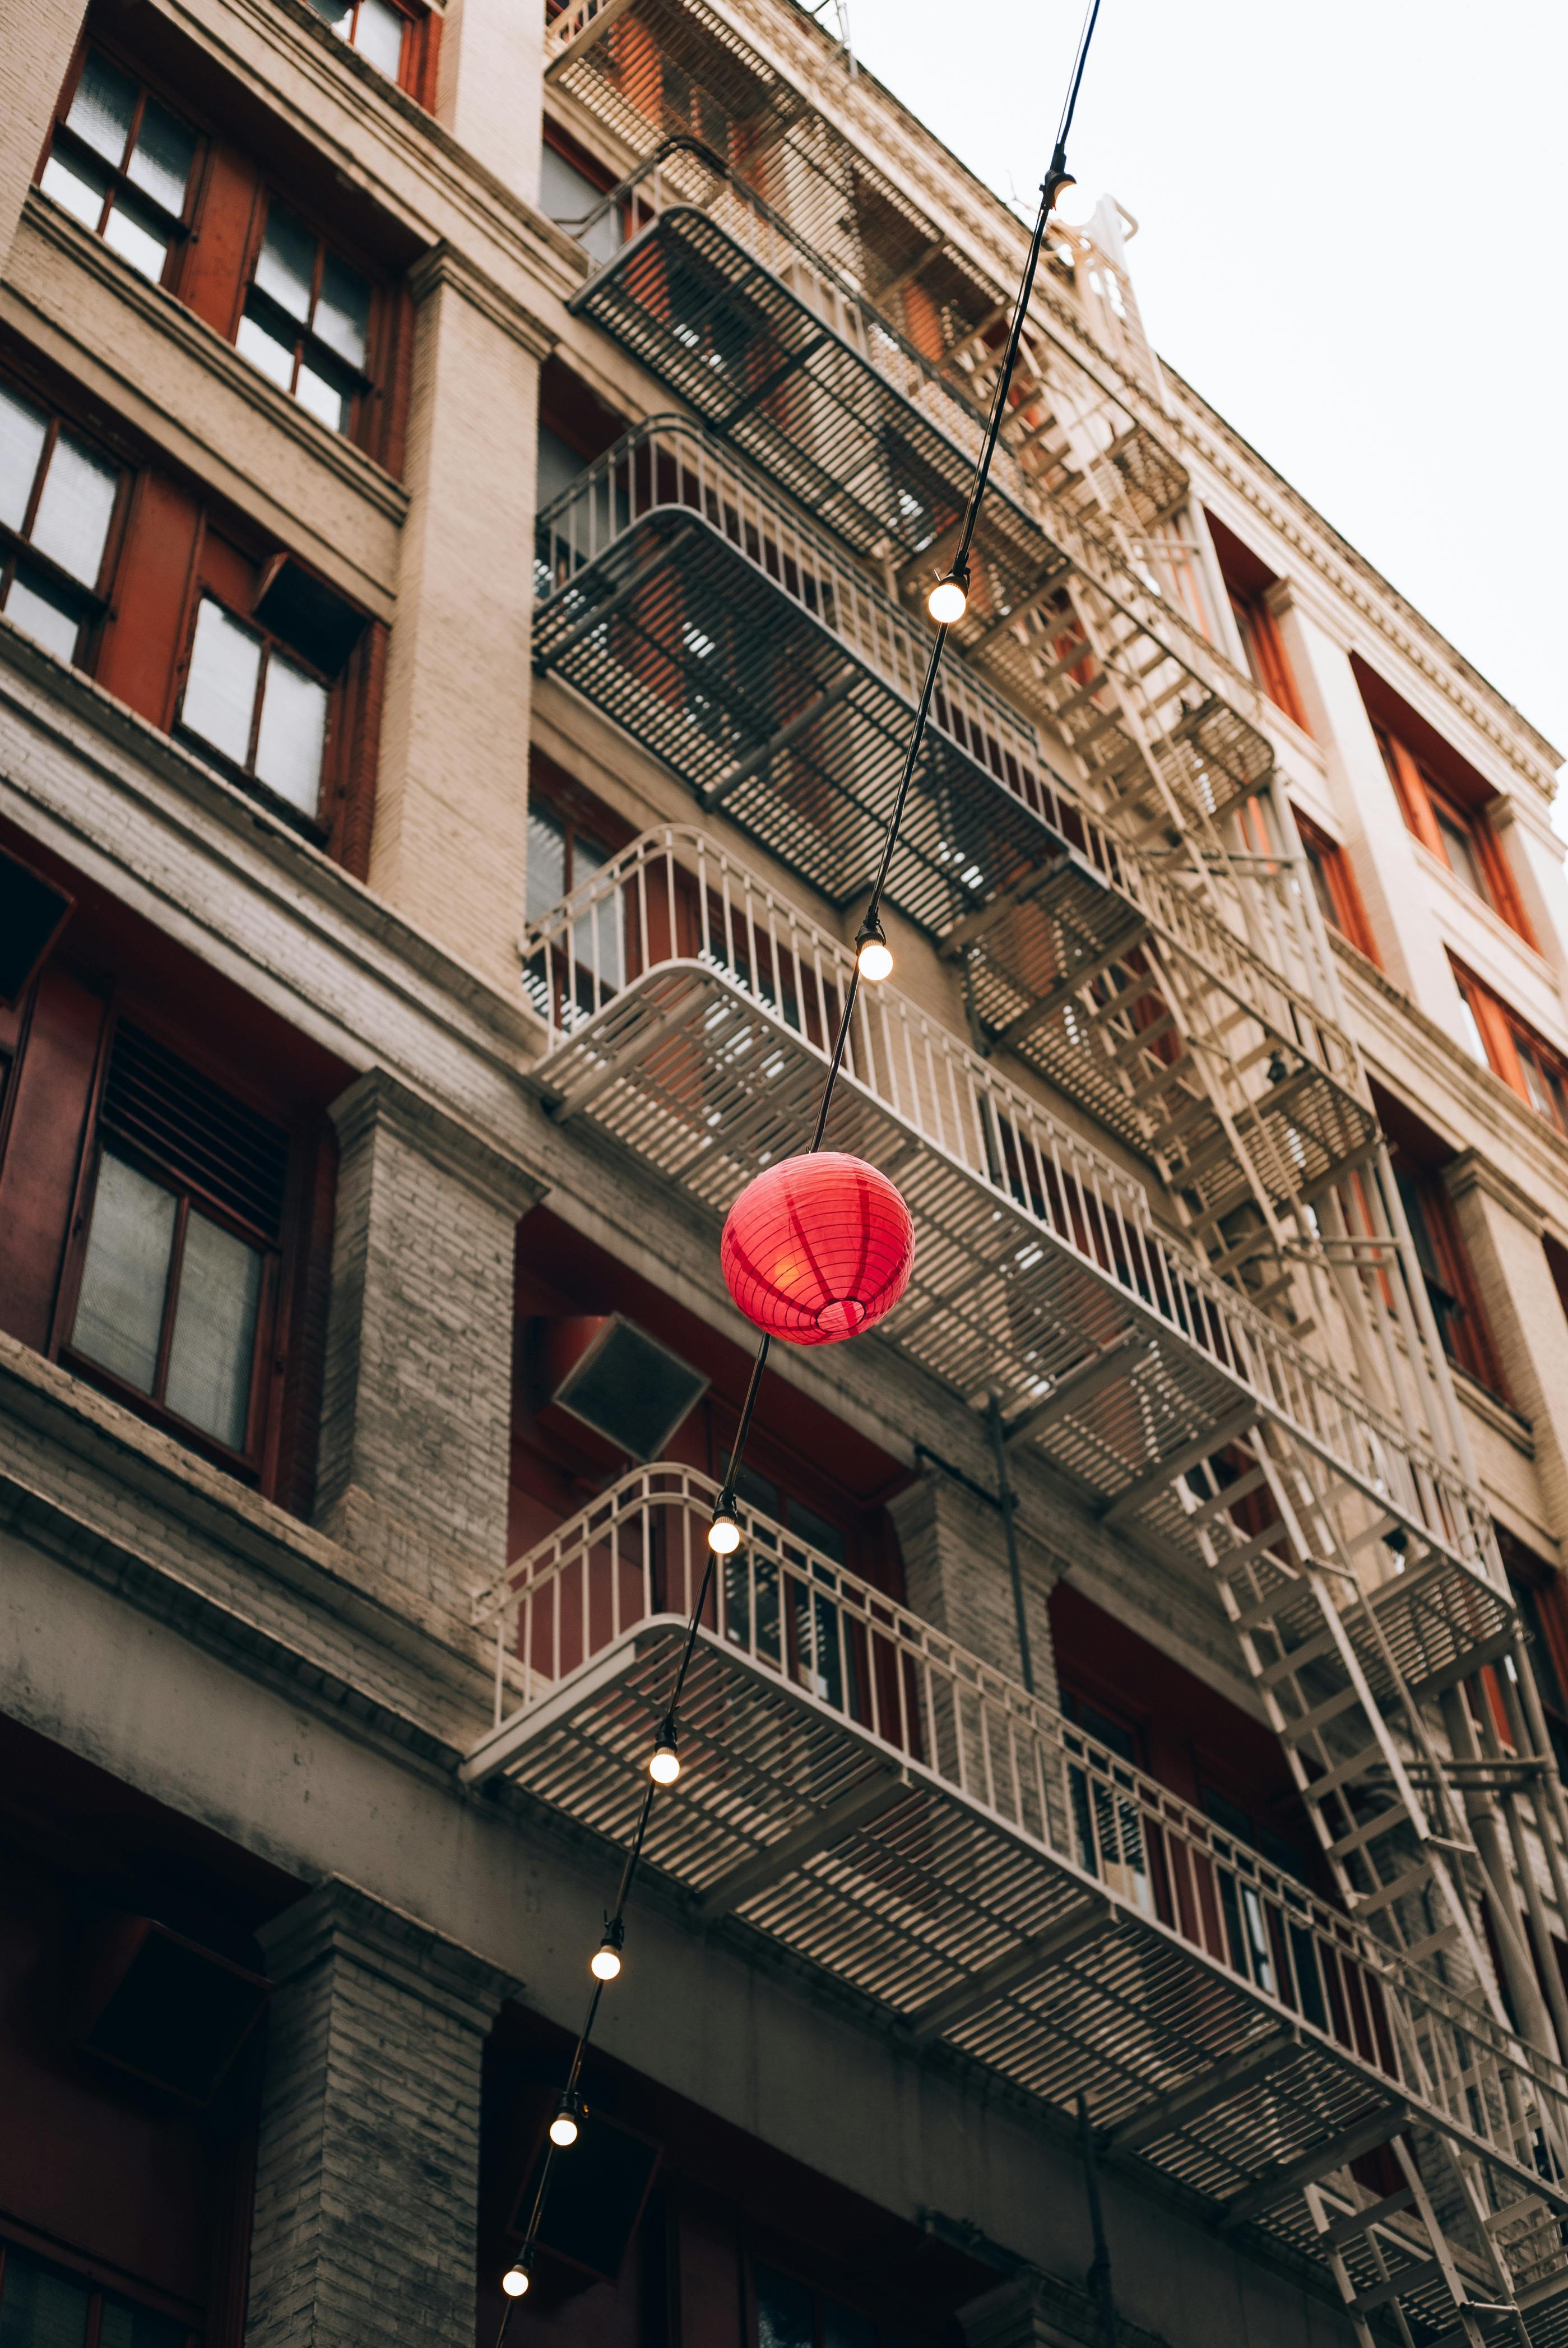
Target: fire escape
<point x="1219" y="1338"/>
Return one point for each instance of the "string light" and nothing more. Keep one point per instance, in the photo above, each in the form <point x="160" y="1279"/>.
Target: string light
<point x="950" y="597"/>
<point x="948" y="601"/>
<point x="665" y="1767"/>
<point x="725" y="1531"/>
<point x="873" y="955"/>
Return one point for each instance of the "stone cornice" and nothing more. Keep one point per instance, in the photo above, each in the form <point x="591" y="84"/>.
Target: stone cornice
<point x="342" y="1921"/>
<point x="377" y="1098"/>
<point x="443" y="265"/>
<point x="1364" y="588"/>
<point x="1474" y="1171"/>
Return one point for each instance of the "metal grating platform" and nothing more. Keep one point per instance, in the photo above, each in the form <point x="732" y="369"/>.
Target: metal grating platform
<point x="894" y="1812"/>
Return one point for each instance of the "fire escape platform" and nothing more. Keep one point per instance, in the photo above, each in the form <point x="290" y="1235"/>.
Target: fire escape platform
<point x="908" y="1822"/>
<point x="1036" y="1260"/>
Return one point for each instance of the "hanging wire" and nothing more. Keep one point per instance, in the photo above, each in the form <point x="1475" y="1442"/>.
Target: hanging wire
<point x="1056" y="178"/>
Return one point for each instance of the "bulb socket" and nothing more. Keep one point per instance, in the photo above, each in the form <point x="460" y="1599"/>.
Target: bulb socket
<point x="605" y="1963"/>
<point x="873" y="955"/>
<point x="567" y="2125"/>
<point x="515" y="2281"/>
<point x="664" y="1763"/>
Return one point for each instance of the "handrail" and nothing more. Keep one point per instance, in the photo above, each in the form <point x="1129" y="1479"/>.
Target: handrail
<point x="636" y="1556"/>
<point x="673" y="896"/>
<point x="666" y="464"/>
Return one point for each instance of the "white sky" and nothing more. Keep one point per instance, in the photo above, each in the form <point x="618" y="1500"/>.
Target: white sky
<point x="1351" y="241"/>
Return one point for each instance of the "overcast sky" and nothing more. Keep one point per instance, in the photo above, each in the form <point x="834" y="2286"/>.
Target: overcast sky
<point x="1351" y="241"/>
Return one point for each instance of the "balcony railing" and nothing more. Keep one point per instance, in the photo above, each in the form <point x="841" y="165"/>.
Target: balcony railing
<point x="900" y="1814"/>
<point x="690" y="1012"/>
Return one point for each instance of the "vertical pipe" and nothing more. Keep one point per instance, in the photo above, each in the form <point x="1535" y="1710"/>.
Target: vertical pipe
<point x="1099" y="2276"/>
<point x="1006" y="1503"/>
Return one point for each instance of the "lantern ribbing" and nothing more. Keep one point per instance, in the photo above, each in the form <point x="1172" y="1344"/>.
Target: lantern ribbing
<point x="1056" y="178"/>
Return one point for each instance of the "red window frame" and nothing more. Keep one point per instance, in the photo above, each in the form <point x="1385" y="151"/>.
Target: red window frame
<point x="17" y="2243"/>
<point x="1428" y="805"/>
<point x="148" y="85"/>
<point x="1248" y="585"/>
<point x="1515" y="1051"/>
<point x="1334" y="881"/>
<point x="416" y="75"/>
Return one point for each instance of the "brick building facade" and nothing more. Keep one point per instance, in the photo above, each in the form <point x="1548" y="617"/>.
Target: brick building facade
<point x="469" y="484"/>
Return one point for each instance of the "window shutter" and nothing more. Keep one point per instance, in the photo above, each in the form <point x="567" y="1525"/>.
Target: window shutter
<point x="184" y="1122"/>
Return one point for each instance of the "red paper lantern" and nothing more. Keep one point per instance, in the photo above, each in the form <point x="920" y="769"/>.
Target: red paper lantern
<point x="818" y="1248"/>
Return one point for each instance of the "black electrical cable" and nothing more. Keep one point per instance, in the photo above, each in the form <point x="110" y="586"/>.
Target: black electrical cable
<point x="1056" y="178"/>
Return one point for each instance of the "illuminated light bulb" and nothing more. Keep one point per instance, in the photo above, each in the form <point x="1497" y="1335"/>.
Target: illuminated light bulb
<point x="515" y="2282"/>
<point x="948" y="601"/>
<point x="873" y="955"/>
<point x="665" y="1764"/>
<point x="564" y="2126"/>
<point x="724" y="1532"/>
<point x="1073" y="204"/>
<point x="605" y="1963"/>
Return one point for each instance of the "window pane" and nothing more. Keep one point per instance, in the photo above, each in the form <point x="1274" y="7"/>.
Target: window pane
<point x="102" y="108"/>
<point x="80" y="187"/>
<point x="784" y="2310"/>
<point x="292" y="735"/>
<point x="42" y="613"/>
<point x="120" y="1311"/>
<point x="40" y="2309"/>
<point x="22" y="435"/>
<point x="123" y="2327"/>
<point x="331" y="402"/>
<point x="340" y="19"/>
<point x="214" y="1332"/>
<point x="75" y="509"/>
<point x="1464" y="862"/>
<point x="221" y="690"/>
<point x="547" y="863"/>
<point x="286" y="267"/>
<point x="343" y="311"/>
<point x="162" y="158"/>
<point x="134" y="235"/>
<point x="261" y="348"/>
<point x="378" y="35"/>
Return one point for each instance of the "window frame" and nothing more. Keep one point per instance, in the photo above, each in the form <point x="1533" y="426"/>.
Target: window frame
<point x="317" y="827"/>
<point x="1330" y="861"/>
<point x="370" y="382"/>
<point x="1422" y="798"/>
<point x="119" y="180"/>
<point x="416" y="65"/>
<point x="90" y="2275"/>
<point x="94" y="603"/>
<point x="1504" y="1036"/>
<point x="1452" y="1290"/>
<point x="280" y="1255"/>
<point x="755" y="2252"/>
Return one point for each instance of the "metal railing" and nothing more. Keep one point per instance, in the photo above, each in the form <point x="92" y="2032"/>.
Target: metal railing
<point x="670" y="468"/>
<point x="636" y="1557"/>
<point x="673" y="900"/>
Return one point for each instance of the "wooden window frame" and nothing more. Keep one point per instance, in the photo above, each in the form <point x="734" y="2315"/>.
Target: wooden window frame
<point x="257" y="1463"/>
<point x="1503" y="1033"/>
<point x="148" y="85"/>
<point x="1248" y="584"/>
<point x="1331" y="862"/>
<point x="95" y="603"/>
<point x="313" y="826"/>
<point x="374" y="382"/>
<point x="1421" y="797"/>
<point x="91" y="2277"/>
<point x="416" y="75"/>
<point x="1462" y="1325"/>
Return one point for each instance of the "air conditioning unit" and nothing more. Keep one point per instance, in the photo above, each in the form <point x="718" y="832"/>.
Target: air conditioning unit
<point x="595" y="2199"/>
<point x="165" y="2009"/>
<point x="620" y="1382"/>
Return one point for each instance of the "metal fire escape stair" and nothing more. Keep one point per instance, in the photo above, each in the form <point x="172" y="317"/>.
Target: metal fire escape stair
<point x="1134" y="927"/>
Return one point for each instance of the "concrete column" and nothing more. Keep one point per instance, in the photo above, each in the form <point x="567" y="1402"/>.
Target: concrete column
<point x="450" y="840"/>
<point x="1501" y="1230"/>
<point x="367" y="2169"/>
<point x="1392" y="883"/>
<point x="1033" y="2311"/>
<point x="38" y="47"/>
<point x="957" y="1576"/>
<point x="1534" y="854"/>
<point x="492" y="88"/>
<point x="416" y="1419"/>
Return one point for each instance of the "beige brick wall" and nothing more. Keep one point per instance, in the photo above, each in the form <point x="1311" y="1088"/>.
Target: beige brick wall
<point x="37" y="50"/>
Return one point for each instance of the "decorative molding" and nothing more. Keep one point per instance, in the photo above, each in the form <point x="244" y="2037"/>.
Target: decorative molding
<point x="340" y="1920"/>
<point x="443" y="266"/>
<point x="378" y="1099"/>
<point x="1473" y="1171"/>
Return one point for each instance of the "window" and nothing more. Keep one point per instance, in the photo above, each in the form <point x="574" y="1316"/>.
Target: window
<point x="177" y="1271"/>
<point x="1448" y="818"/>
<point x="123" y="165"/>
<point x="306" y="322"/>
<point x="373" y="27"/>
<point x="248" y="700"/>
<point x="1249" y="585"/>
<point x="57" y="500"/>
<point x="791" y="2314"/>
<point x="1445" y="1269"/>
<point x="568" y="196"/>
<point x="1107" y="1820"/>
<point x="1334" y="886"/>
<point x="46" y="2306"/>
<point x="1525" y="1060"/>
